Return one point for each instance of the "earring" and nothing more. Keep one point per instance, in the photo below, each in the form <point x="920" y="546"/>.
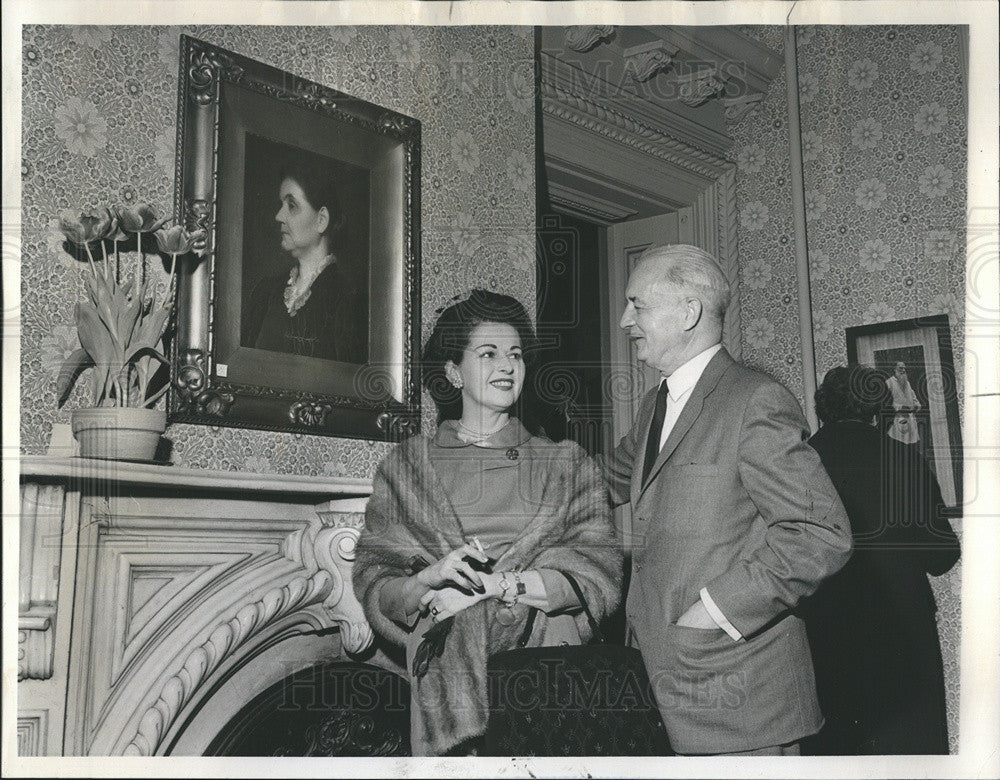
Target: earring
<point x="456" y="383"/>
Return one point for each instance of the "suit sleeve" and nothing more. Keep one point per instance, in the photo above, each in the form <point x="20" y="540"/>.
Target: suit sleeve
<point x="617" y="467"/>
<point x="808" y="534"/>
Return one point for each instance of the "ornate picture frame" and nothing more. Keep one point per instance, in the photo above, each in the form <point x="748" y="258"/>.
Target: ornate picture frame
<point x="242" y="125"/>
<point x="923" y="346"/>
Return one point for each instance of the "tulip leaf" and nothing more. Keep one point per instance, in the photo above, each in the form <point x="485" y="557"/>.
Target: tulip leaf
<point x="145" y="351"/>
<point x="152" y="327"/>
<point x="105" y="308"/>
<point x="129" y="313"/>
<point x="71" y="369"/>
<point x="94" y="338"/>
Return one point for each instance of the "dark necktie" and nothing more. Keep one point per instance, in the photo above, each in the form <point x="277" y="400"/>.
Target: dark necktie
<point x="655" y="430"/>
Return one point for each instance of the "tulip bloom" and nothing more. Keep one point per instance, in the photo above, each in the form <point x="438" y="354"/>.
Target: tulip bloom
<point x="93" y="225"/>
<point x="176" y="241"/>
<point x="141" y="219"/>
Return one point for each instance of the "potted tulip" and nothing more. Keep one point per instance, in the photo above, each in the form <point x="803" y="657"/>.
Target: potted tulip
<point x="121" y="328"/>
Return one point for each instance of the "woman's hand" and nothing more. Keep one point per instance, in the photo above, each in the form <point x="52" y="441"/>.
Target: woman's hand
<point x="454" y="570"/>
<point x="447" y="602"/>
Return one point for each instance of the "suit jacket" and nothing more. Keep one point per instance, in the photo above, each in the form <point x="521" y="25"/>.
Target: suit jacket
<point x="737" y="502"/>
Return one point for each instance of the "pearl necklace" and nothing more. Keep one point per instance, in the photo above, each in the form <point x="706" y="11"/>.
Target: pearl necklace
<point x="476" y="435"/>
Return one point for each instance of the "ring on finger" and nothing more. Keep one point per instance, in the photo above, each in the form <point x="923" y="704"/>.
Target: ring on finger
<point x="434" y="610"/>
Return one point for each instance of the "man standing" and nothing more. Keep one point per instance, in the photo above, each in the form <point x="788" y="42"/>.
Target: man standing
<point x="734" y="521"/>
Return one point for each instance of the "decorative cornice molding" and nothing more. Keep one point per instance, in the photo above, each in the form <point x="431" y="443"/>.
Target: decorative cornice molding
<point x="586" y="205"/>
<point x="738" y="108"/>
<point x="625" y="130"/>
<point x="586" y="37"/>
<point x="697" y="88"/>
<point x="249" y="621"/>
<point x="646" y="60"/>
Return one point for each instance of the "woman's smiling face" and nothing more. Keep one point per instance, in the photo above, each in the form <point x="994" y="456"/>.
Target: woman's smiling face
<point x="302" y="226"/>
<point x="491" y="371"/>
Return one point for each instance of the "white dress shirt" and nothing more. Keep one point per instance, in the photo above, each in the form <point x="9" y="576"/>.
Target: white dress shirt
<point x="679" y="387"/>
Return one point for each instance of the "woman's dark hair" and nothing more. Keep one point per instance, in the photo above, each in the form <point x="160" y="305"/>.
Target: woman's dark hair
<point x="318" y="187"/>
<point x="450" y="338"/>
<point x="850" y="392"/>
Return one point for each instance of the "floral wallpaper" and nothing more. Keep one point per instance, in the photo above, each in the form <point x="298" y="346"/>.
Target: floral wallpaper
<point x="99" y="127"/>
<point x="883" y="119"/>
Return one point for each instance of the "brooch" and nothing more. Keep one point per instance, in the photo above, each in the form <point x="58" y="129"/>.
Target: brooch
<point x="513" y="454"/>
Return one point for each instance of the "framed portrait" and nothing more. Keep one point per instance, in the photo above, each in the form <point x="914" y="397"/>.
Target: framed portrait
<point x="303" y="313"/>
<point x="915" y="358"/>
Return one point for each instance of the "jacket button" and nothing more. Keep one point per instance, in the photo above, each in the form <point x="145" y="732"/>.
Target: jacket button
<point x="636" y="566"/>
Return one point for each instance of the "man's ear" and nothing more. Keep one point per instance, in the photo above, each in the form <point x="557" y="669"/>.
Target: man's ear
<point x="692" y="312"/>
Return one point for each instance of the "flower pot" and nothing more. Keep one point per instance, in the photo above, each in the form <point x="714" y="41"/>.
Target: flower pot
<point x="120" y="433"/>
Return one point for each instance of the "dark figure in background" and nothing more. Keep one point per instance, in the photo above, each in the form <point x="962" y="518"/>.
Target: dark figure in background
<point x="316" y="311"/>
<point x="871" y="626"/>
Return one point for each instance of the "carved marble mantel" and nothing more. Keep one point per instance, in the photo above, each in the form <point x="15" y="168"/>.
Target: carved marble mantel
<point x="143" y="589"/>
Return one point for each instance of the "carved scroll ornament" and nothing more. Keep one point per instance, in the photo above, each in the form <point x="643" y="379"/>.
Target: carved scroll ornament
<point x="586" y="37"/>
<point x="191" y="383"/>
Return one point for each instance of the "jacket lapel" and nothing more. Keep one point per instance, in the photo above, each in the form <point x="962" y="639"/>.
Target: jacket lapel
<point x="692" y="409"/>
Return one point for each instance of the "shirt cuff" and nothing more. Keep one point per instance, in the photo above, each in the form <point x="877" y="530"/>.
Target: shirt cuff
<point x="718" y="617"/>
<point x="557" y="591"/>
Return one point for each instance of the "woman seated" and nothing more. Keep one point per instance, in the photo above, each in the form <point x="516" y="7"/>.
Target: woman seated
<point x="871" y="626"/>
<point x="475" y="524"/>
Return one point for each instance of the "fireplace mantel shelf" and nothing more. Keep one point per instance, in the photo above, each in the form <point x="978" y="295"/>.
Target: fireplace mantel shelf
<point x="155" y="475"/>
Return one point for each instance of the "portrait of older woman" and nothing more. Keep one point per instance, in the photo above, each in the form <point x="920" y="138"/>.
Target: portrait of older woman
<point x="311" y="300"/>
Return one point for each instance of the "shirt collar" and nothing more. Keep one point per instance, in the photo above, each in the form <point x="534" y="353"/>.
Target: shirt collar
<point x="686" y="377"/>
<point x="513" y="434"/>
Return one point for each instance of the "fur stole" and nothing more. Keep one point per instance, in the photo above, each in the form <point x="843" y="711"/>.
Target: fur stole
<point x="409" y="514"/>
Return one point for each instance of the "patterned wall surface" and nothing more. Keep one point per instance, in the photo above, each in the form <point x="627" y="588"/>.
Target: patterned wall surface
<point x="99" y="125"/>
<point x="883" y="114"/>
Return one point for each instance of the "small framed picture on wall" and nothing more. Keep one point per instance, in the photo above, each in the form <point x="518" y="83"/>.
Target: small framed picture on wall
<point x="915" y="358"/>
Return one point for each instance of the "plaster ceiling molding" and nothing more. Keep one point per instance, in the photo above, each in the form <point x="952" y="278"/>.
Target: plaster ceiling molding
<point x="585" y="38"/>
<point x="587" y="205"/>
<point x="740" y="56"/>
<point x="646" y="60"/>
<point x="738" y="108"/>
<point x="696" y="89"/>
<point x="602" y="119"/>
